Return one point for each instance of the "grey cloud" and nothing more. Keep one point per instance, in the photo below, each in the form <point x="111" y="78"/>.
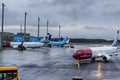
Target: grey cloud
<point x="68" y="8"/>
<point x="91" y="10"/>
<point x="68" y="11"/>
<point x="106" y="9"/>
<point x="65" y="2"/>
<point x="77" y="10"/>
<point x="94" y="14"/>
<point x="81" y="3"/>
<point x="95" y="28"/>
<point x="11" y="17"/>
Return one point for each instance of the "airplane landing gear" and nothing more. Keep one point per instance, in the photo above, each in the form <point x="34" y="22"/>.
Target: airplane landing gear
<point x="49" y="45"/>
<point x="21" y="47"/>
<point x="92" y="59"/>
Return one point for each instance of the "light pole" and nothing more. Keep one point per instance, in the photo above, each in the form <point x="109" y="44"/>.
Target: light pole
<point x="2" y="24"/>
<point x="20" y="28"/>
<point x="47" y="27"/>
<point x="59" y="31"/>
<point x="25" y="24"/>
<point x="38" y="27"/>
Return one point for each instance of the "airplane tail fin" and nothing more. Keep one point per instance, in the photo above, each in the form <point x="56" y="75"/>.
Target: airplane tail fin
<point x="115" y="42"/>
<point x="67" y="40"/>
<point x="49" y="36"/>
<point x="42" y="40"/>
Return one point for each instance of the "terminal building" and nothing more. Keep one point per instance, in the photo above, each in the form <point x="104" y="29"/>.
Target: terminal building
<point x="7" y="36"/>
<point x="27" y="36"/>
<point x="19" y="37"/>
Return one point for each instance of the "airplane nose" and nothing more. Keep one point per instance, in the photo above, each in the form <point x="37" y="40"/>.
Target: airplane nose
<point x="76" y="56"/>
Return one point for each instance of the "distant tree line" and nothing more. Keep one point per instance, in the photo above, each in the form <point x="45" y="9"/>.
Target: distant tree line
<point x="7" y="36"/>
<point x="82" y="40"/>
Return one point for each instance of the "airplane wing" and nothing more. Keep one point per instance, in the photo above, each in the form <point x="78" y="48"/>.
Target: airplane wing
<point x="105" y="56"/>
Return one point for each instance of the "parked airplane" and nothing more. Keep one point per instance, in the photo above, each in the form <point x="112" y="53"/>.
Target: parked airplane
<point x="24" y="45"/>
<point x="49" y="43"/>
<point x="45" y="42"/>
<point x="92" y="53"/>
<point x="60" y="43"/>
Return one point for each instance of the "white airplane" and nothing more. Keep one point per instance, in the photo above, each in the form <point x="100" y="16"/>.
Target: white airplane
<point x="92" y="53"/>
<point x="60" y="43"/>
<point x="25" y="45"/>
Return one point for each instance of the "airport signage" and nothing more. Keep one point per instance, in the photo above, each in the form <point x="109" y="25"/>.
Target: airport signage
<point x="18" y="38"/>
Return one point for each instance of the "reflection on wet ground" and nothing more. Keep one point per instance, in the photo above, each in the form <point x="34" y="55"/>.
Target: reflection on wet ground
<point x="57" y="64"/>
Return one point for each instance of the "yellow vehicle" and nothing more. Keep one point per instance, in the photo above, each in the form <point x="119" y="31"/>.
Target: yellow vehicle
<point x="8" y="73"/>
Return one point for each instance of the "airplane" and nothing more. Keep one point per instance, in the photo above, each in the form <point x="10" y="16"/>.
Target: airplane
<point x="16" y="45"/>
<point x="49" y="43"/>
<point x="104" y="52"/>
<point x="44" y="42"/>
<point x="23" y="45"/>
<point x="60" y="43"/>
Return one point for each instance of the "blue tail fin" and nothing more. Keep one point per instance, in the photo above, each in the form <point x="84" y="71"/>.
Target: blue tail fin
<point x="49" y="36"/>
<point x="66" y="39"/>
<point x="42" y="40"/>
<point x="115" y="42"/>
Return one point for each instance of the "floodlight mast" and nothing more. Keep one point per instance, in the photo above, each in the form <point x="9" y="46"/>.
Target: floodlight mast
<point x="38" y="27"/>
<point x="2" y="25"/>
<point x="25" y="24"/>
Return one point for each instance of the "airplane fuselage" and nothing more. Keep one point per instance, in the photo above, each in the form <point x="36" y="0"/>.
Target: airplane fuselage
<point x="59" y="43"/>
<point x="27" y="44"/>
<point x="97" y="51"/>
<point x="94" y="52"/>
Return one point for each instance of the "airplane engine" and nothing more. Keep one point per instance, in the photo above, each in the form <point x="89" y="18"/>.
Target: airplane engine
<point x="106" y="58"/>
<point x="83" y="53"/>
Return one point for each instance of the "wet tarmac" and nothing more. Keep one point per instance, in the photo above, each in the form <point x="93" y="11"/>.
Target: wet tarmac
<point x="57" y="64"/>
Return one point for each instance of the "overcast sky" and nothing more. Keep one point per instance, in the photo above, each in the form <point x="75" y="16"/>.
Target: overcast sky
<point x="78" y="18"/>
